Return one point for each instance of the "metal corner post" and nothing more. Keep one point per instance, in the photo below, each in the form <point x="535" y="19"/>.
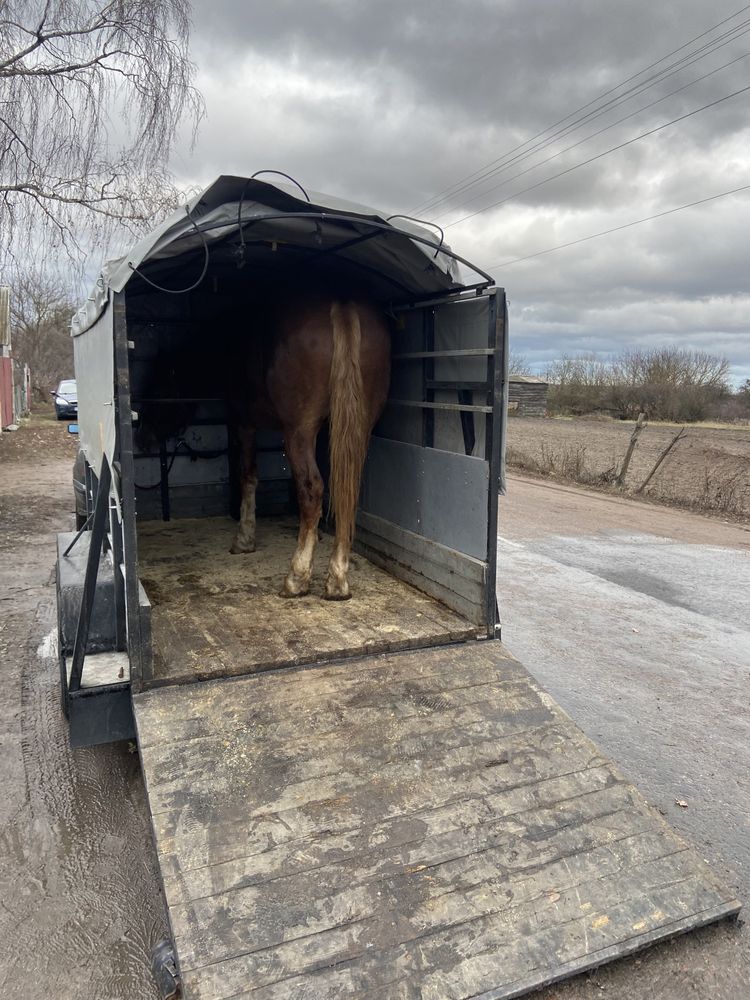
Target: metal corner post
<point x="98" y="532"/>
<point x="126" y="489"/>
<point x="497" y="364"/>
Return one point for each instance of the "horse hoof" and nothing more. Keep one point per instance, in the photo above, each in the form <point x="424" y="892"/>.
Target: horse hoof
<point x="336" y="590"/>
<point x="239" y="549"/>
<point x="294" y="589"/>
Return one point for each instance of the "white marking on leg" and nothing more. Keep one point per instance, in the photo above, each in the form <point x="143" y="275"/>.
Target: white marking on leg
<point x="245" y="539"/>
<point x="337" y="584"/>
<point x="297" y="582"/>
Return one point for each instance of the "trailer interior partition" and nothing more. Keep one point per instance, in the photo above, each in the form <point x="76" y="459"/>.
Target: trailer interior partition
<point x="191" y="311"/>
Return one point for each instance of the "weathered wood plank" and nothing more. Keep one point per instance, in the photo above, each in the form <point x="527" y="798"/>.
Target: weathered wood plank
<point x="425" y="825"/>
<point x="458" y="960"/>
<point x="480" y="877"/>
<point x="398" y="843"/>
<point x="185" y="845"/>
<point x="350" y="721"/>
<point x="216" y="615"/>
<point x="383" y="681"/>
<point x="315" y="805"/>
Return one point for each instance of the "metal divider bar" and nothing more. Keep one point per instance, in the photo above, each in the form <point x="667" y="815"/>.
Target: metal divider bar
<point x="472" y="352"/>
<point x="456" y="407"/>
<point x="126" y="486"/>
<point x="98" y="529"/>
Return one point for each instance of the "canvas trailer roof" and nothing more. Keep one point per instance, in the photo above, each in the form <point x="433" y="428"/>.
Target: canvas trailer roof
<point x="238" y="221"/>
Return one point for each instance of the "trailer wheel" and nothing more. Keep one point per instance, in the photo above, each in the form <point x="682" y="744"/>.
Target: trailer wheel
<point x="164" y="968"/>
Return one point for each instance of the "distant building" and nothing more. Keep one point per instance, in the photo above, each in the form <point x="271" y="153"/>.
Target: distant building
<point x="527" y="396"/>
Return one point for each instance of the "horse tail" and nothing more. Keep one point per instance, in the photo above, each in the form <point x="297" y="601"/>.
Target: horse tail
<point x="349" y="422"/>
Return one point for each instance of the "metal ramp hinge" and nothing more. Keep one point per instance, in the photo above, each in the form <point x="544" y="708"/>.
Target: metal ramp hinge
<point x="164" y="968"/>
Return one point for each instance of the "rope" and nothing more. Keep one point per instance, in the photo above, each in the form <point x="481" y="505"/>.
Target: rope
<point x="179" y="291"/>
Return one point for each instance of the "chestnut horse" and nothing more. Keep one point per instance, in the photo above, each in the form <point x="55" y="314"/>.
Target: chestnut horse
<point x="326" y="359"/>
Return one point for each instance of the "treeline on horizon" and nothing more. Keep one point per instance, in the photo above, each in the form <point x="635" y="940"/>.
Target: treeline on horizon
<point x="666" y="383"/>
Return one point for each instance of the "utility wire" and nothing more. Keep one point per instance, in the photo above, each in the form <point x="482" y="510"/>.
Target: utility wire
<point x="457" y="186"/>
<point x="605" y="128"/>
<point x="603" y="109"/>
<point x="644" y="84"/>
<point x="671" y="70"/>
<point x="617" y="229"/>
<point x="598" y="156"/>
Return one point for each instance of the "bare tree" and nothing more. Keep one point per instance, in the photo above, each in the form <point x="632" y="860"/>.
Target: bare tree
<point x="518" y="364"/>
<point x="92" y="94"/>
<point x="667" y="383"/>
<point x="578" y="384"/>
<point x="40" y="311"/>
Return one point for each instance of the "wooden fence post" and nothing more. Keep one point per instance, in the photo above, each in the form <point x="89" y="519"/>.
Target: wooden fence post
<point x="639" y="425"/>
<point x="660" y="459"/>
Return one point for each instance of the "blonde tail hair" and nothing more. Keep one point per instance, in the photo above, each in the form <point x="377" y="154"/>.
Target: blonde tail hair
<point x="349" y="429"/>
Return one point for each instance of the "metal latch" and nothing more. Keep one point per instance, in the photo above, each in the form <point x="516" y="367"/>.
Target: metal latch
<point x="164" y="968"/>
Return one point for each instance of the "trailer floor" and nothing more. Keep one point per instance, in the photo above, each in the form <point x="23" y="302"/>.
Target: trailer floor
<point x="411" y="826"/>
<point x="216" y="614"/>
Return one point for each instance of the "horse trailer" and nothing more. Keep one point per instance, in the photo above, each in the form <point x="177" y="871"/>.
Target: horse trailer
<point x="359" y="797"/>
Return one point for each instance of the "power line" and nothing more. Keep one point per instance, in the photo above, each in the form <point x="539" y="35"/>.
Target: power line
<point x="598" y="156"/>
<point x="606" y="128"/>
<point x="461" y="184"/>
<point x="617" y="229"/>
<point x="671" y="70"/>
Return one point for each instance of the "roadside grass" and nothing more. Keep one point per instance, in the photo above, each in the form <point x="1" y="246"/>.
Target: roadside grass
<point x="567" y="461"/>
<point x="720" y="487"/>
<point x="725" y="493"/>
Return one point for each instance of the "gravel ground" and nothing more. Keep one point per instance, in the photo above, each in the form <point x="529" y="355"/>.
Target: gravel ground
<point x="79" y="900"/>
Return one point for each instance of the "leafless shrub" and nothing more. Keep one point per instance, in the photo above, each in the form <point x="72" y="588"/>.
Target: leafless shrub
<point x="518" y="364"/>
<point x="565" y="462"/>
<point x="666" y="383"/>
<point x="577" y="385"/>
<point x="725" y="492"/>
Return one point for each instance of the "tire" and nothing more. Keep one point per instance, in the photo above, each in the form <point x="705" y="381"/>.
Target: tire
<point x="79" y="490"/>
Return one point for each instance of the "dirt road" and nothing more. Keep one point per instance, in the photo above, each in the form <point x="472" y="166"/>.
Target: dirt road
<point x="635" y="617"/>
<point x="79" y="903"/>
<point x="661" y="684"/>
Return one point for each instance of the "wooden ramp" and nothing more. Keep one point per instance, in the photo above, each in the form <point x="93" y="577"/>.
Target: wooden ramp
<point x="412" y="825"/>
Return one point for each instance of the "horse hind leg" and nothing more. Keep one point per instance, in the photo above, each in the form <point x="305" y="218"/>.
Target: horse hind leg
<point x="337" y="582"/>
<point x="300" y="450"/>
<point x="244" y="540"/>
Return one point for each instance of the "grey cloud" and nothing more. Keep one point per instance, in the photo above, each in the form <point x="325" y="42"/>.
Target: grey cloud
<point x="388" y="102"/>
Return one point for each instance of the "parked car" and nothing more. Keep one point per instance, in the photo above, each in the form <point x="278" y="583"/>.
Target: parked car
<point x="66" y="399"/>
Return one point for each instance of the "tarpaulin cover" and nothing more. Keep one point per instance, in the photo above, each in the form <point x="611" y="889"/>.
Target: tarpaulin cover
<point x="395" y="255"/>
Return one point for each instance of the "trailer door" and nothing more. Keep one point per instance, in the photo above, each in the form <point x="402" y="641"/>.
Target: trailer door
<point x="428" y="508"/>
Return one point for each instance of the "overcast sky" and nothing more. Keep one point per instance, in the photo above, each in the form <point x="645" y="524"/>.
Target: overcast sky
<point x="390" y="102"/>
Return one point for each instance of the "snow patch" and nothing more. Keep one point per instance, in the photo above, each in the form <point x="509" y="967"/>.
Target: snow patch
<point x="48" y="646"/>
